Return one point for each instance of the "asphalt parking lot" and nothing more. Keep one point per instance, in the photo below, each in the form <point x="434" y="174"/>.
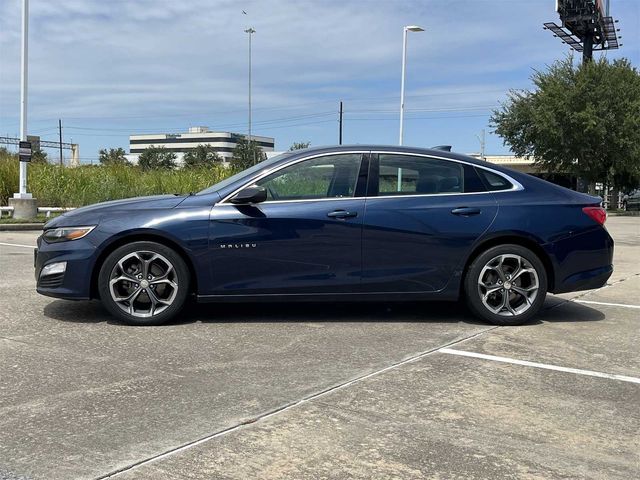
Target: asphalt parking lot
<point x="320" y="391"/>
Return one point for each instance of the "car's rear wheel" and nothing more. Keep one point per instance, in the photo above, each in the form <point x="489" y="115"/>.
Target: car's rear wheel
<point x="143" y="283"/>
<point x="506" y="285"/>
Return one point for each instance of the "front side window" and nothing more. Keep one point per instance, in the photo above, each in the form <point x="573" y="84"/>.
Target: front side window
<point x="411" y="175"/>
<point x="331" y="176"/>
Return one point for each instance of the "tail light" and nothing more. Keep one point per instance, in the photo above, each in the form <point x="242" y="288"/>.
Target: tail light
<point x="598" y="214"/>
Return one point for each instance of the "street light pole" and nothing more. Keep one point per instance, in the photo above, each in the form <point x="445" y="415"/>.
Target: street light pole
<point x="250" y="31"/>
<point x="24" y="60"/>
<point x="409" y="28"/>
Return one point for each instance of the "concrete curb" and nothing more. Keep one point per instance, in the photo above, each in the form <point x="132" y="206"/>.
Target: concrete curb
<point x="624" y="214"/>
<point x="21" y="227"/>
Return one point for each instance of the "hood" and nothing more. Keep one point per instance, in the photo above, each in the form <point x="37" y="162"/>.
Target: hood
<point x="93" y="212"/>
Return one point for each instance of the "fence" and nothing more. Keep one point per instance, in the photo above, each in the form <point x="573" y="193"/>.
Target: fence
<point x="46" y="210"/>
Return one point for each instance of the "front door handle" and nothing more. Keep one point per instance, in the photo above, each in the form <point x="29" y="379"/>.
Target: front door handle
<point x="341" y="214"/>
<point x="465" y="211"/>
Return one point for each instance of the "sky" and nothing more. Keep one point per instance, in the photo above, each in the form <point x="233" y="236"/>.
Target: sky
<point x="114" y="68"/>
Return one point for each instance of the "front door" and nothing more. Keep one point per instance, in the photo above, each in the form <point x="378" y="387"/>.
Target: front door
<point x="305" y="238"/>
<point x="422" y="218"/>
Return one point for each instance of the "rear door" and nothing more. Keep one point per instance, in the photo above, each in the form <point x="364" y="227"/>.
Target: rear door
<point x="306" y="238"/>
<point x="422" y="217"/>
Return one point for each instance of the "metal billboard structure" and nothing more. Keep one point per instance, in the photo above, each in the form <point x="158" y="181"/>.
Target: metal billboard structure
<point x="36" y="144"/>
<point x="586" y="26"/>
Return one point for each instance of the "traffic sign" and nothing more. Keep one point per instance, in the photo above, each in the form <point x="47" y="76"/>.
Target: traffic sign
<point x="24" y="151"/>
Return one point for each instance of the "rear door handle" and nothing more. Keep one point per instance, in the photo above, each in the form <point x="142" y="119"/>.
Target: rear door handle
<point x="341" y="214"/>
<point x="465" y="211"/>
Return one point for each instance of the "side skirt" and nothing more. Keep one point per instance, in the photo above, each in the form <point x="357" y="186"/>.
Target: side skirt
<point x="330" y="297"/>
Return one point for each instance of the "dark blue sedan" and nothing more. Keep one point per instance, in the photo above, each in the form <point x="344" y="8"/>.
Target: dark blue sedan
<point x="359" y="222"/>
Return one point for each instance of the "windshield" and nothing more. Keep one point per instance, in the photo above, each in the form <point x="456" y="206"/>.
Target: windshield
<point x="244" y="173"/>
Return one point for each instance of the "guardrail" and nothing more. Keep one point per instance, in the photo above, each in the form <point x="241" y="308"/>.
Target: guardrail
<point x="46" y="210"/>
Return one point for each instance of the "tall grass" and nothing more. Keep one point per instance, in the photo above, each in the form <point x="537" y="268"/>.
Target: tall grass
<point x="57" y="186"/>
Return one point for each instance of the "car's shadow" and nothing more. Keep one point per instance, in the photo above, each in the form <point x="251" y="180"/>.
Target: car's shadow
<point x="554" y="310"/>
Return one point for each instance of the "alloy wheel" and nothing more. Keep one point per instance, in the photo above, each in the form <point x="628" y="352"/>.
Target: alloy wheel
<point x="143" y="284"/>
<point x="508" y="285"/>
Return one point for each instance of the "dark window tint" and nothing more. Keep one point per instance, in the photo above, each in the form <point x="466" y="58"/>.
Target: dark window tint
<point x="409" y="175"/>
<point x="333" y="176"/>
<point x="472" y="181"/>
<point x="493" y="181"/>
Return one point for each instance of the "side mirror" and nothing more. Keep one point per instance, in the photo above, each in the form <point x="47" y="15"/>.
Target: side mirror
<point x="253" y="194"/>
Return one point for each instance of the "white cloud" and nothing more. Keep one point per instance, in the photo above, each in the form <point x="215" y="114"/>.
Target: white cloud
<point x="171" y="62"/>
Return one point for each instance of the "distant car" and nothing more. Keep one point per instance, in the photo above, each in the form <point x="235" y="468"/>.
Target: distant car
<point x="631" y="201"/>
<point x="364" y="223"/>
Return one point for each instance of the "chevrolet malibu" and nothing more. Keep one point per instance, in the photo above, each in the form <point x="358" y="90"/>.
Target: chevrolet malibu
<point x="364" y="223"/>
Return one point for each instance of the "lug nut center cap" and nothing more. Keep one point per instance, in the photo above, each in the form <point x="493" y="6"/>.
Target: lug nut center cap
<point x="144" y="284"/>
<point x="507" y="285"/>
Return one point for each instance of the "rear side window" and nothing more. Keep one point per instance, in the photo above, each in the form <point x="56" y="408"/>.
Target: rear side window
<point x="494" y="182"/>
<point x="412" y="175"/>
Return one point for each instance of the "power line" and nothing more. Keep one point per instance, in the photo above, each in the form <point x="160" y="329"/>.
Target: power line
<point x="287" y="107"/>
<point x="230" y="125"/>
<point x="284" y="121"/>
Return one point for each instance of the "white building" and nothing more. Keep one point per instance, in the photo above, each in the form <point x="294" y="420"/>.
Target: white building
<point x="180" y="143"/>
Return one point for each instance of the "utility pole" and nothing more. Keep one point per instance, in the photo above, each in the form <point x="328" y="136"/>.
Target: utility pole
<point x="482" y="144"/>
<point x="340" y="122"/>
<point x="250" y="31"/>
<point x="60" y="132"/>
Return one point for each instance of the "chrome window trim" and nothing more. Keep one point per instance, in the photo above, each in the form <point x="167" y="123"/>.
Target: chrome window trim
<point x="516" y="186"/>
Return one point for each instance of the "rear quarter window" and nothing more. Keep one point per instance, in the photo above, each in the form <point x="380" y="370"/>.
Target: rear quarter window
<point x="493" y="181"/>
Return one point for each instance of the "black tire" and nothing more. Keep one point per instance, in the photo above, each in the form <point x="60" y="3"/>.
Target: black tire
<point x="487" y="262"/>
<point x="164" y="297"/>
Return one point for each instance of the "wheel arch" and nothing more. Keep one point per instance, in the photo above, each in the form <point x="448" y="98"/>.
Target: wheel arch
<point x="142" y="237"/>
<point x="516" y="239"/>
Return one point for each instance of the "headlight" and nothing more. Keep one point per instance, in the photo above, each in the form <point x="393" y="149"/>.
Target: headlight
<point x="64" y="234"/>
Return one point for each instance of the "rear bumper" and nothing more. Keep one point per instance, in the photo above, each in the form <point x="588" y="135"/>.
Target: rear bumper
<point x="587" y="280"/>
<point x="583" y="261"/>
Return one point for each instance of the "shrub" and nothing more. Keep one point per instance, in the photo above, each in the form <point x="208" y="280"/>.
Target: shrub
<point x="56" y="186"/>
<point x="157" y="158"/>
<point x="112" y="156"/>
<point x="201" y="156"/>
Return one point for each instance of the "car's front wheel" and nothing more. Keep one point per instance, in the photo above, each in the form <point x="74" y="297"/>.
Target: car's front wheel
<point x="506" y="285"/>
<point x="143" y="283"/>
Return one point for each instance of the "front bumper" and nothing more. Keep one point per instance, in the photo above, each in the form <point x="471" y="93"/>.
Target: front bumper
<point x="75" y="282"/>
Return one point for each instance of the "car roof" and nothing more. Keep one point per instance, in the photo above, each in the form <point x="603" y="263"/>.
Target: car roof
<point x="397" y="149"/>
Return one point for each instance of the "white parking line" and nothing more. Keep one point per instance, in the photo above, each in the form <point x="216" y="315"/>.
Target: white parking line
<point x="607" y="304"/>
<point x="591" y="373"/>
<point x="17" y="245"/>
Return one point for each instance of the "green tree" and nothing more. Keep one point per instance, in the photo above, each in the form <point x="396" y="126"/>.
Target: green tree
<point x="39" y="156"/>
<point x="157" y="158"/>
<point x="583" y="120"/>
<point x="113" y="156"/>
<point x="201" y="156"/>
<point x="299" y="146"/>
<point x="246" y="154"/>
